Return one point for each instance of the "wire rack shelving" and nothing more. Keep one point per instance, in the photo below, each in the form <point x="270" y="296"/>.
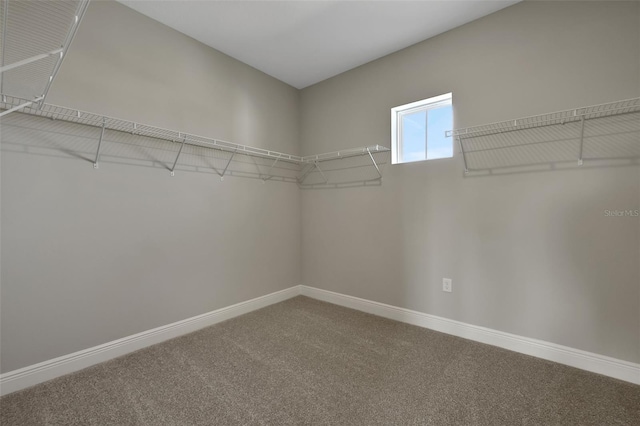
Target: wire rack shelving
<point x="532" y="140"/>
<point x="306" y="165"/>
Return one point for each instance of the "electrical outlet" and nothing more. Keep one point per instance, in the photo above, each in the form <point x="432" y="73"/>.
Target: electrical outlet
<point x="447" y="285"/>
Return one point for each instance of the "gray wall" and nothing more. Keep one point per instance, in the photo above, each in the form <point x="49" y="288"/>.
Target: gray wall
<point x="529" y="253"/>
<point x="91" y="256"/>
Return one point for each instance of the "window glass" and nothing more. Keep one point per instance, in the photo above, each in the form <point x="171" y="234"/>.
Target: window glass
<point x="418" y="130"/>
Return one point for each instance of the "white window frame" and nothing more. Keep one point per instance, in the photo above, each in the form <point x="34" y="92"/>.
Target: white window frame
<point x="396" y="119"/>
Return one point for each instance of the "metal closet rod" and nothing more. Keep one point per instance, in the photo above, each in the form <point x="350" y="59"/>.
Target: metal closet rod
<point x="55" y="112"/>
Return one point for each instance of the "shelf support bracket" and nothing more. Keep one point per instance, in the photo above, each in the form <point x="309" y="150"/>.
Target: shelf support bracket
<point x="269" y="171"/>
<point x="321" y="172"/>
<point x="95" y="163"/>
<point x="464" y="156"/>
<point x="374" y="163"/>
<point x="29" y="60"/>
<point x="305" y="172"/>
<point x="227" y="166"/>
<point x="257" y="168"/>
<point x="580" y="162"/>
<point x="177" y="156"/>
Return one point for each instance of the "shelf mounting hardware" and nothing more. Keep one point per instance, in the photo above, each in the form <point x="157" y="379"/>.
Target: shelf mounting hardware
<point x="314" y="165"/>
<point x="580" y="162"/>
<point x="269" y="171"/>
<point x="374" y="163"/>
<point x="305" y="171"/>
<point x="321" y="172"/>
<point x="265" y="176"/>
<point x="95" y="163"/>
<point x="464" y="157"/>
<point x="227" y="166"/>
<point x="178" y="156"/>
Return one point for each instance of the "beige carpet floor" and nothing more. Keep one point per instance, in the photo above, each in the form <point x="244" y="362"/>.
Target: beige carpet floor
<point x="307" y="362"/>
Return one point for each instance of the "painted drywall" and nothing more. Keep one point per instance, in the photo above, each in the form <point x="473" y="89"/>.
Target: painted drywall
<point x="531" y="254"/>
<point x="89" y="256"/>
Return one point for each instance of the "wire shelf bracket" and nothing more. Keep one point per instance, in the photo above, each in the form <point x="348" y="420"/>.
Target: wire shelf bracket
<point x="308" y="168"/>
<point x="271" y="168"/>
<point x="321" y="172"/>
<point x="177" y="157"/>
<point x="373" y="160"/>
<point x="95" y="162"/>
<point x="580" y="161"/>
<point x="227" y="165"/>
<point x="464" y="155"/>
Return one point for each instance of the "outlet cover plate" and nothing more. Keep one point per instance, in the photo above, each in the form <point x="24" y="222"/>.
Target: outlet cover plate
<point x="447" y="285"/>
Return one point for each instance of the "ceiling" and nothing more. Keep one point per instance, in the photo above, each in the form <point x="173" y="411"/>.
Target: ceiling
<point x="304" y="42"/>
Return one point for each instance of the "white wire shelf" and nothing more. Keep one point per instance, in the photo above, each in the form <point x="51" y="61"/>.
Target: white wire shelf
<point x="56" y="112"/>
<point x="604" y="131"/>
<point x="346" y="171"/>
<point x="35" y="37"/>
<point x="560" y="117"/>
<point x="308" y="165"/>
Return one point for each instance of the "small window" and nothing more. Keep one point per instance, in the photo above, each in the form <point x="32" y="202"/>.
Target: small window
<point x="418" y="130"/>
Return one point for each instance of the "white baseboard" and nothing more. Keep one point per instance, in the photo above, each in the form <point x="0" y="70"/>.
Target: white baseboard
<point x="47" y="370"/>
<point x="612" y="367"/>
<point x="19" y="379"/>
